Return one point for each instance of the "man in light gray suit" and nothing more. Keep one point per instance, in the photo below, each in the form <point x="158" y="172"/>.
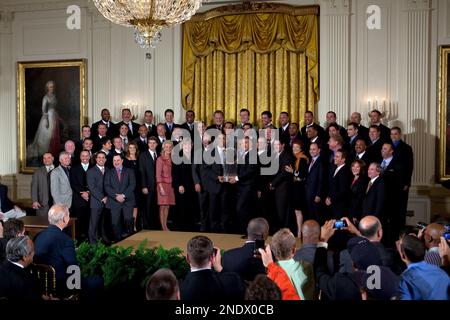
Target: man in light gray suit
<point x="60" y="182"/>
<point x="119" y="187"/>
<point x="40" y="186"/>
<point x="98" y="197"/>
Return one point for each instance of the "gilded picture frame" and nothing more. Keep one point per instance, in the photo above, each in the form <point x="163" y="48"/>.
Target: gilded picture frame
<point x="444" y="111"/>
<point x="51" y="98"/>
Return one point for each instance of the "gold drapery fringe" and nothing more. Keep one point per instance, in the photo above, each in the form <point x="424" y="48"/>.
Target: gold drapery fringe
<point x="260" y="61"/>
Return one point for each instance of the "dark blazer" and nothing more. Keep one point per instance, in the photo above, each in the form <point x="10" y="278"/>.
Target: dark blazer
<point x="94" y="180"/>
<point x="208" y="285"/>
<point x="247" y="172"/>
<point x="385" y="133"/>
<point x="131" y="135"/>
<point x="3" y="243"/>
<point x="186" y="127"/>
<point x="366" y="158"/>
<point x="182" y="175"/>
<point x="125" y="186"/>
<point x="242" y="261"/>
<point x="357" y="195"/>
<point x="142" y="145"/>
<point x="339" y="189"/>
<point x="169" y="132"/>
<point x="374" y="150"/>
<point x="363" y="132"/>
<point x="404" y="153"/>
<point x="96" y="145"/>
<point x="283" y="177"/>
<point x="339" y="286"/>
<point x="78" y="182"/>
<point x="109" y="132"/>
<point x="284" y="135"/>
<point x="17" y="284"/>
<point x="374" y="199"/>
<point x="54" y="247"/>
<point x="211" y="172"/>
<point x="5" y="202"/>
<point x="320" y="130"/>
<point x="316" y="180"/>
<point x="151" y="131"/>
<point x="147" y="170"/>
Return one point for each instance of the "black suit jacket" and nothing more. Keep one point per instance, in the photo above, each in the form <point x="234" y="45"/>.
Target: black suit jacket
<point x="339" y="190"/>
<point x="242" y="261"/>
<point x="186" y="127"/>
<point x="131" y="135"/>
<point x="147" y="170"/>
<point x="248" y="172"/>
<point x="208" y="285"/>
<point x="94" y="180"/>
<point x="385" y="133"/>
<point x="125" y="186"/>
<point x="168" y="131"/>
<point x="284" y="135"/>
<point x="374" y="150"/>
<point x="212" y="171"/>
<point x="17" y="284"/>
<point x="316" y="181"/>
<point x="404" y="153"/>
<point x="54" y="247"/>
<point x="142" y="145"/>
<point x="357" y="195"/>
<point x="182" y="175"/>
<point x="6" y="204"/>
<point x="109" y="132"/>
<point x="78" y="183"/>
<point x="152" y="132"/>
<point x="373" y="203"/>
<point x="283" y="177"/>
<point x="320" y="130"/>
<point x="363" y="132"/>
<point x="366" y="158"/>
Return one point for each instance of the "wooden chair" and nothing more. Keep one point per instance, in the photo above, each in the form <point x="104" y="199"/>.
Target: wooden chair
<point x="46" y="276"/>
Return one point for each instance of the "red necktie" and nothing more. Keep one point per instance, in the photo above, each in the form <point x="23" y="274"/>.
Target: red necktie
<point x="118" y="174"/>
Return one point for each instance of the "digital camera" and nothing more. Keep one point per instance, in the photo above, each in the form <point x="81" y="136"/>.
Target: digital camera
<point x="340" y="224"/>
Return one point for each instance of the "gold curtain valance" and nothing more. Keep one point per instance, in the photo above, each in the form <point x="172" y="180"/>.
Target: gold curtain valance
<point x="258" y="32"/>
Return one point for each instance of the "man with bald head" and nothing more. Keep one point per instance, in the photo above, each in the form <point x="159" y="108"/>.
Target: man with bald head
<point x="370" y="228"/>
<point x="310" y="238"/>
<point x="432" y="237"/>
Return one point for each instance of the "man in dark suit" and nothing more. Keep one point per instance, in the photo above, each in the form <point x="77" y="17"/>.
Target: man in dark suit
<point x="242" y="260"/>
<point x="40" y="186"/>
<point x="54" y="247"/>
<point x="127" y="119"/>
<point x="283" y="130"/>
<point x="281" y="183"/>
<point x="106" y="146"/>
<point x="94" y="178"/>
<point x="294" y="134"/>
<point x="308" y="119"/>
<point x="85" y="134"/>
<point x="360" y="151"/>
<point x="161" y="137"/>
<point x="189" y="124"/>
<point x="375" y="120"/>
<point x="81" y="194"/>
<point x="148" y="122"/>
<point x="119" y="188"/>
<point x="373" y="203"/>
<point x="376" y="143"/>
<point x="199" y="177"/>
<point x="169" y="125"/>
<point x="147" y="170"/>
<point x="219" y="121"/>
<point x="16" y="282"/>
<point x="353" y="134"/>
<point x="247" y="175"/>
<point x="141" y="141"/>
<point x="403" y="152"/>
<point x="331" y="120"/>
<point x="315" y="185"/>
<point x="363" y="131"/>
<point x="204" y="284"/>
<point x="100" y="135"/>
<point x="106" y="120"/>
<point x="339" y="186"/>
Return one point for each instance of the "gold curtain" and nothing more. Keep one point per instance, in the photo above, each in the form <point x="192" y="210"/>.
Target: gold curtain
<point x="260" y="61"/>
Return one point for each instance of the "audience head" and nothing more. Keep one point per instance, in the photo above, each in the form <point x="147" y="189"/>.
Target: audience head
<point x="314" y="150"/>
<point x="333" y="130"/>
<point x="85" y="157"/>
<point x="374" y="170"/>
<point x="244" y="114"/>
<point x="297" y="146"/>
<point x="85" y="131"/>
<point x="106" y="116"/>
<point x="20" y="250"/>
<point x="370" y="228"/>
<point x="102" y="129"/>
<point x="388" y="288"/>
<point x="200" y="252"/>
<point x="163" y="285"/>
<point x="59" y="215"/>
<point x="123" y="130"/>
<point x="148" y="117"/>
<point x="13" y="228"/>
<point x="131" y="148"/>
<point x="432" y="235"/>
<point x="358" y="168"/>
<point x="64" y="158"/>
<point x="356" y="118"/>
<point x="283" y="244"/>
<point x="190" y="116"/>
<point x="262" y="143"/>
<point x="310" y="232"/>
<point x="69" y="147"/>
<point x="375" y="117"/>
<point x="374" y="133"/>
<point x="168" y="115"/>
<point x="47" y="159"/>
<point x="257" y="228"/>
<point x="126" y="115"/>
<point x="336" y="142"/>
<point x="284" y="118"/>
<point x="360" y="146"/>
<point x="352" y="129"/>
<point x="363" y="253"/>
<point x="411" y="249"/>
<point x="331" y="117"/>
<point x="278" y="146"/>
<point x="387" y="150"/>
<point x="167" y="147"/>
<point x="117" y="142"/>
<point x="308" y="118"/>
<point x="396" y="134"/>
<point x="263" y="288"/>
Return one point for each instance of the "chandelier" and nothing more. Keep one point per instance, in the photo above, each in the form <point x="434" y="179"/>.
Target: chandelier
<point x="148" y="17"/>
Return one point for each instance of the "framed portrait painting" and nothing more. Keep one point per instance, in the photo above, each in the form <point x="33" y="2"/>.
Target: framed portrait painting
<point x="444" y="111"/>
<point x="51" y="108"/>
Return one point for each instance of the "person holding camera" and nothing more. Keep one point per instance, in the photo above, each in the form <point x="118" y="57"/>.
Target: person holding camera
<point x="431" y="235"/>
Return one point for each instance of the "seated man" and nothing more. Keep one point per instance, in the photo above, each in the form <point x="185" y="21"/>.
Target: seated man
<point x="242" y="260"/>
<point x="163" y="285"/>
<point x="300" y="272"/>
<point x="203" y="283"/>
<point x="421" y="280"/>
<point x="11" y="229"/>
<point x="56" y="248"/>
<point x="16" y="283"/>
<point x="7" y="208"/>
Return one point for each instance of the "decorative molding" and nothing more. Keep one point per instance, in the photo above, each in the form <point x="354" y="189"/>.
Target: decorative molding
<point x="335" y="7"/>
<point x="414" y="5"/>
<point x="6" y="19"/>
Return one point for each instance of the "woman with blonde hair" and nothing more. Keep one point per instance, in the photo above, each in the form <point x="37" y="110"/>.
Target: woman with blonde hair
<point x="166" y="195"/>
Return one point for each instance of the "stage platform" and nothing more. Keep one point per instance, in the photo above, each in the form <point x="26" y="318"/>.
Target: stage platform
<point x="172" y="239"/>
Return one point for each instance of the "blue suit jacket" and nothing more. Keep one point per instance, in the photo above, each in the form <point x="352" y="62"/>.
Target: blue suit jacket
<point x="6" y="203"/>
<point x="54" y="247"/>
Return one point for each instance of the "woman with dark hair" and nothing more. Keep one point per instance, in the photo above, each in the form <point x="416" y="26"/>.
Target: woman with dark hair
<point x="131" y="161"/>
<point x="358" y="189"/>
<point x="300" y="170"/>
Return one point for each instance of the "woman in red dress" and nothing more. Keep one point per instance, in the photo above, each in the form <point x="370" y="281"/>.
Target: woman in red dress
<point x="166" y="196"/>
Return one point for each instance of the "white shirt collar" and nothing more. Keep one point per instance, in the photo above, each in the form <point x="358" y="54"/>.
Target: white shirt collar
<point x="360" y="155"/>
<point x="338" y="168"/>
<point x="194" y="269"/>
<point x="373" y="179"/>
<point x="101" y="167"/>
<point x="17" y="264"/>
<point x="285" y="126"/>
<point x="388" y="160"/>
<point x="314" y="139"/>
<point x="85" y="166"/>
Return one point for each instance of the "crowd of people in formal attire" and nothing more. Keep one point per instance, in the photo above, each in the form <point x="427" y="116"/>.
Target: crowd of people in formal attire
<point x="342" y="190"/>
